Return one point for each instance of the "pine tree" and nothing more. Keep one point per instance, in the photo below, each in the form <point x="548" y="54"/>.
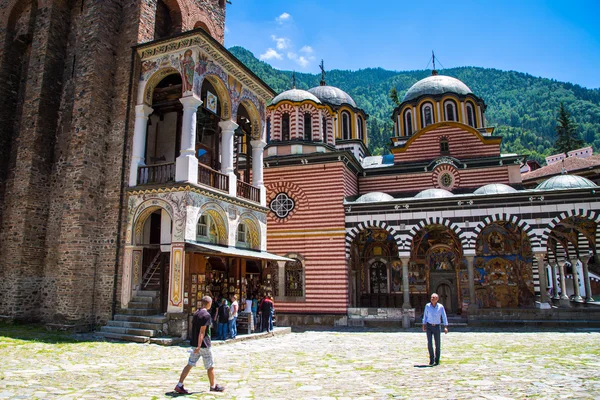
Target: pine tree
<point x="394" y="95"/>
<point x="566" y="132"/>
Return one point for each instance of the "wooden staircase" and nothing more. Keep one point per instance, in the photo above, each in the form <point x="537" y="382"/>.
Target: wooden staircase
<point x="141" y="322"/>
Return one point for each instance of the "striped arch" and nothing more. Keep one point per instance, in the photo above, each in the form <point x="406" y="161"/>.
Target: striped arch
<point x="591" y="215"/>
<point x="525" y="227"/>
<point x="462" y="236"/>
<point x="352" y="233"/>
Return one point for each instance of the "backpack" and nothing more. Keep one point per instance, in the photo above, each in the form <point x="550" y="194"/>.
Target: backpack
<point x="223" y="313"/>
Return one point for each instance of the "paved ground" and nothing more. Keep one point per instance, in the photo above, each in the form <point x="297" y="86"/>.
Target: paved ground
<point x="310" y="365"/>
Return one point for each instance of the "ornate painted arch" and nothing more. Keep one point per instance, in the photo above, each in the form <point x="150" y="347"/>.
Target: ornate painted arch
<point x="219" y="216"/>
<point x="352" y="233"/>
<point x="142" y="213"/>
<point x="462" y="235"/>
<point x="588" y="214"/>
<point x="253" y="229"/>
<point x="148" y="88"/>
<point x="254" y="117"/>
<point x="222" y="94"/>
<point x="525" y="227"/>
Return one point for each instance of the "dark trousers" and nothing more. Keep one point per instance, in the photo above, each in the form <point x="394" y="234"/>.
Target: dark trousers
<point x="433" y="331"/>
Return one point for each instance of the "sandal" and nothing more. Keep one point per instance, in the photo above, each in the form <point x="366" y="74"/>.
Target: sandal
<point x="217" y="388"/>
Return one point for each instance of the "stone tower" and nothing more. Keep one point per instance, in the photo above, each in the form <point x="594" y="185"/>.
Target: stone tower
<point x="66" y="81"/>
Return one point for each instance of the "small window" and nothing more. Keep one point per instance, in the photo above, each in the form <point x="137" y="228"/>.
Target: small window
<point x="202" y="227"/>
<point x="444" y="146"/>
<point x="285" y="127"/>
<point x="408" y="123"/>
<point x="346" y="126"/>
<point x="307" y="126"/>
<point x="360" y="127"/>
<point x="450" y="111"/>
<point x="206" y="230"/>
<point x="242" y="233"/>
<point x="294" y="279"/>
<point x="470" y="115"/>
<point x="427" y="115"/>
<point x="268" y="130"/>
<point x="324" y="129"/>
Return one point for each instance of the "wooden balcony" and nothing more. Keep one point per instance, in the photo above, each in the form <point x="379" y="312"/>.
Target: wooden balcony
<point x="247" y="191"/>
<point x="156" y="174"/>
<point x="209" y="177"/>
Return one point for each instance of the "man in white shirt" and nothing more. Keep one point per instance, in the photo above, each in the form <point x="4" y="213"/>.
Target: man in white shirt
<point x="433" y="319"/>
<point x="233" y="314"/>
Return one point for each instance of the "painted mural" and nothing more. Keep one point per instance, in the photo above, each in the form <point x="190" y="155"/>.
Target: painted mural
<point x="503" y="267"/>
<point x="374" y="243"/>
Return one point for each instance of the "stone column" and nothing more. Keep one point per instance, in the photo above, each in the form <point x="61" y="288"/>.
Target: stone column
<point x="186" y="165"/>
<point x="563" y="283"/>
<point x="142" y="112"/>
<point x="258" y="147"/>
<point x="471" y="273"/>
<point x="542" y="276"/>
<point x="586" y="279"/>
<point x="555" y="279"/>
<point x="577" y="297"/>
<point x="227" y="128"/>
<point x="405" y="287"/>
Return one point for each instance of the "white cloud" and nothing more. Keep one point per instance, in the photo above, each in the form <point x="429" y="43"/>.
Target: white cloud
<point x="302" y="61"/>
<point x="281" y="42"/>
<point x="307" y="50"/>
<point x="269" y="54"/>
<point x="282" y="18"/>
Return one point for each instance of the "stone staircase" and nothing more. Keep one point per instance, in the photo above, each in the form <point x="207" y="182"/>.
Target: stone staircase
<point x="141" y="322"/>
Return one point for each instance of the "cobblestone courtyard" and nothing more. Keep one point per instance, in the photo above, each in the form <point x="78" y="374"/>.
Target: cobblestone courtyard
<point x="310" y="365"/>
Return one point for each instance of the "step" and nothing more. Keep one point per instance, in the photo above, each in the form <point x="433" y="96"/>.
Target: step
<point x="166" y="341"/>
<point x="140" y="305"/>
<point x="129" y="331"/>
<point x="154" y="319"/>
<point x="125" y="337"/>
<point x="139" y="311"/>
<point x="150" y="293"/>
<point x="145" y="299"/>
<point x="136" y="325"/>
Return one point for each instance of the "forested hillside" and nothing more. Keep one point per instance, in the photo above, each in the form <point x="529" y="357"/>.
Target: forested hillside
<point x="523" y="108"/>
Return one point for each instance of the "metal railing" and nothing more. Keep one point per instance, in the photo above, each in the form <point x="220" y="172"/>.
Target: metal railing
<point x="247" y="191"/>
<point x="210" y="177"/>
<point x="158" y="173"/>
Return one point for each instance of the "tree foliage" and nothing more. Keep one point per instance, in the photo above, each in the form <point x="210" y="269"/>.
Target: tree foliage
<point x="566" y="132"/>
<point x="521" y="107"/>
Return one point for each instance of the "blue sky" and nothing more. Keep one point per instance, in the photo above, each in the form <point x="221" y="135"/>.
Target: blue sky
<point x="552" y="39"/>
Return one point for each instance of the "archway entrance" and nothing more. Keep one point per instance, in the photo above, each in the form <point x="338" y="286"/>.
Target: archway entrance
<point x="444" y="291"/>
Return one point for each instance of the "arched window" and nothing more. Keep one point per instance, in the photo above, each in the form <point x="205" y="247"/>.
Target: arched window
<point x="450" y="110"/>
<point x="324" y="137"/>
<point x="444" y="146"/>
<point x="268" y="130"/>
<point x="346" y="129"/>
<point x="285" y="127"/>
<point x="470" y="115"/>
<point x="294" y="278"/>
<point x="242" y="235"/>
<point x="408" y="123"/>
<point x="360" y="127"/>
<point x="167" y="20"/>
<point x="206" y="230"/>
<point x="307" y="126"/>
<point x="427" y="111"/>
<point x="378" y="279"/>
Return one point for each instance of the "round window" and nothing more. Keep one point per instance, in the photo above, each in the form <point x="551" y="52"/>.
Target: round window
<point x="446" y="180"/>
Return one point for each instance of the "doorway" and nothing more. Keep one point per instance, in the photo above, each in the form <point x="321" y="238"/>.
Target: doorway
<point x="445" y="292"/>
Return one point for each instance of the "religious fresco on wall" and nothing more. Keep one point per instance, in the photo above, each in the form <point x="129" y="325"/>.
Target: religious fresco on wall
<point x="503" y="271"/>
<point x="441" y="258"/>
<point x="187" y="64"/>
<point x="417" y="278"/>
<point x="396" y="276"/>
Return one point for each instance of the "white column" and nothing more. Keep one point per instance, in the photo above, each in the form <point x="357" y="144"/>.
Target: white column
<point x="227" y="128"/>
<point x="258" y="147"/>
<point x="577" y="297"/>
<point x="405" y="286"/>
<point x="186" y="165"/>
<point x="563" y="282"/>
<point x="555" y="279"/>
<point x="439" y="112"/>
<point x="588" y="285"/>
<point x="142" y="112"/>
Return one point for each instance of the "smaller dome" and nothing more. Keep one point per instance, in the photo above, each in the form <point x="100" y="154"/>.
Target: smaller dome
<point x="374" y="197"/>
<point x="566" y="182"/>
<point x="433" y="194"/>
<point x="295" y="95"/>
<point x="434" y="85"/>
<point x="332" y="95"/>
<point x="495" y="188"/>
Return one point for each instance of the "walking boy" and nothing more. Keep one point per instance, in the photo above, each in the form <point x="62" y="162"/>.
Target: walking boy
<point x="200" y="341"/>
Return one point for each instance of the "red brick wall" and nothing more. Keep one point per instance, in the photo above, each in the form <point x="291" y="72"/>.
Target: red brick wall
<point x="315" y="230"/>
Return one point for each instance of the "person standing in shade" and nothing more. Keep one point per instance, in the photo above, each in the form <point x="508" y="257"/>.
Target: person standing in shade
<point x="433" y="319"/>
<point x="200" y="341"/>
<point x="222" y="319"/>
<point x="233" y="314"/>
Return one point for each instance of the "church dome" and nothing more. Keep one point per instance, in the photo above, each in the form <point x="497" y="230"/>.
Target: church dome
<point x="566" y="182"/>
<point x="436" y="85"/>
<point x="433" y="194"/>
<point x="495" y="188"/>
<point x="295" y="95"/>
<point x="374" y="197"/>
<point x="332" y="95"/>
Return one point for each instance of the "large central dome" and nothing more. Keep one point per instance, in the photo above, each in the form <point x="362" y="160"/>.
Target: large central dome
<point x="435" y="85"/>
<point x="332" y="95"/>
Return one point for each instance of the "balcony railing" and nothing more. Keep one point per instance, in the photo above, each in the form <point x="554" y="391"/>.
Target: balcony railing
<point x="210" y="177"/>
<point x="158" y="173"/>
<point x="248" y="191"/>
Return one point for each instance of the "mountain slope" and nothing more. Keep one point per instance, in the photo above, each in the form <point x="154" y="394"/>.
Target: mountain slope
<point x="523" y="108"/>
